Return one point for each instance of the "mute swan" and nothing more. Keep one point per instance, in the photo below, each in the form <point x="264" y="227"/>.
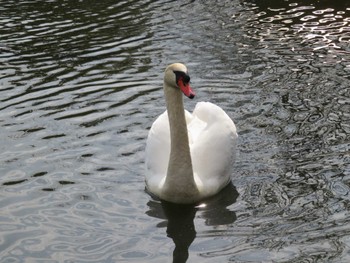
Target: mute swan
<point x="188" y="156"/>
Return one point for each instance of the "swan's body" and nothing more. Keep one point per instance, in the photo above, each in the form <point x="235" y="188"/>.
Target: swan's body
<point x="188" y="156"/>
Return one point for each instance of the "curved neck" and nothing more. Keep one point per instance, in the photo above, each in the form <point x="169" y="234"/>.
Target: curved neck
<point x="179" y="180"/>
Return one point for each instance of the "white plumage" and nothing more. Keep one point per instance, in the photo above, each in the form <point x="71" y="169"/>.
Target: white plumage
<point x="187" y="170"/>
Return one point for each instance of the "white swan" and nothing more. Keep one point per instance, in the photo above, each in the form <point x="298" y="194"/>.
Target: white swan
<point x="191" y="158"/>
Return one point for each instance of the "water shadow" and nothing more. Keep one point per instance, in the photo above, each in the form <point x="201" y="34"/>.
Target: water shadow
<point x="179" y="219"/>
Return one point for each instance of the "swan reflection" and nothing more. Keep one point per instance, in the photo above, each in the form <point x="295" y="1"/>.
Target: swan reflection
<point x="179" y="219"/>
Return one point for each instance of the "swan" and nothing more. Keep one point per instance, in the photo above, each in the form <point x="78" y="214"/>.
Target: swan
<point x="188" y="156"/>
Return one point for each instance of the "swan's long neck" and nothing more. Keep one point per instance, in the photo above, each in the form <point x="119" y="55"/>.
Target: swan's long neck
<point x="179" y="180"/>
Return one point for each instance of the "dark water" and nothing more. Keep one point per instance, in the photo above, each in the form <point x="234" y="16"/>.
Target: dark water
<point x="80" y="85"/>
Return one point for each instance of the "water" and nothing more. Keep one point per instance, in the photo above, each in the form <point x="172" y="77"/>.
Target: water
<point x="80" y="85"/>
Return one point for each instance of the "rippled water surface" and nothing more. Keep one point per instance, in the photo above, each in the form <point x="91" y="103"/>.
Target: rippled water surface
<point x="81" y="84"/>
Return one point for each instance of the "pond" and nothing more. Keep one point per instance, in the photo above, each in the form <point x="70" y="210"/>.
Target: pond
<point x="81" y="84"/>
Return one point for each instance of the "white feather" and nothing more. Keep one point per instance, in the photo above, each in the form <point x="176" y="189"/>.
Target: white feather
<point x="193" y="160"/>
<point x="212" y="141"/>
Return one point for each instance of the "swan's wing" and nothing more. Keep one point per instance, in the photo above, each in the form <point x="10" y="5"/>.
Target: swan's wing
<point x="213" y="146"/>
<point x="157" y="152"/>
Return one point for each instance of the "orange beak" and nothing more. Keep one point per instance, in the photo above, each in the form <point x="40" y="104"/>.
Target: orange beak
<point x="186" y="89"/>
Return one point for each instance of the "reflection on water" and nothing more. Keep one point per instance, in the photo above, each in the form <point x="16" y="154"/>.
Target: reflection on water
<point x="180" y="218"/>
<point x="80" y="85"/>
<point x="302" y="63"/>
<point x="303" y="27"/>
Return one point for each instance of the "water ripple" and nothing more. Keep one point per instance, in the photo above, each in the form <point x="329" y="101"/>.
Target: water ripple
<point x="81" y="83"/>
<point x="66" y="71"/>
<point x="321" y="28"/>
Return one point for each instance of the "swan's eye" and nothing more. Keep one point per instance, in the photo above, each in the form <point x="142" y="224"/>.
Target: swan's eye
<point x="182" y="76"/>
<point x="186" y="79"/>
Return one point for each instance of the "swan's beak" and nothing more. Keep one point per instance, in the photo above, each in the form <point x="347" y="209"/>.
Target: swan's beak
<point x="186" y="89"/>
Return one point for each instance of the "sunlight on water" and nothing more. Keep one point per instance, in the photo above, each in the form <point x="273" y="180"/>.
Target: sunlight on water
<point x="81" y="84"/>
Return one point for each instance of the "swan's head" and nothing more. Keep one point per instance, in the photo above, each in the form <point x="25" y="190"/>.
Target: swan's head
<point x="176" y="76"/>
